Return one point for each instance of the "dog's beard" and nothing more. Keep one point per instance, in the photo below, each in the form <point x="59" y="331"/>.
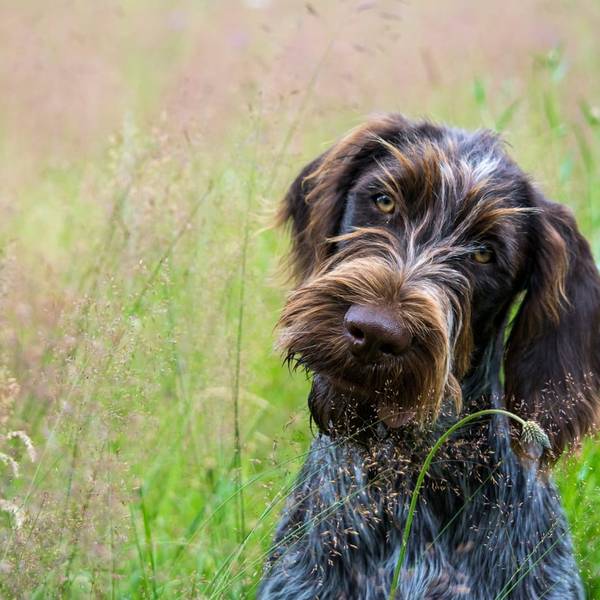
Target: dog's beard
<point x="397" y="388"/>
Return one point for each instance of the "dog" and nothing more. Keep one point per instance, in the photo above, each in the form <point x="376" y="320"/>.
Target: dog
<point x="433" y="280"/>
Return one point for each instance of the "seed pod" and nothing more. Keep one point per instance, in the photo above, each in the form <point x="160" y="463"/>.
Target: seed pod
<point x="532" y="432"/>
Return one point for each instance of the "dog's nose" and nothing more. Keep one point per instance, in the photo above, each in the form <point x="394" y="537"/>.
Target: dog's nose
<point x="374" y="333"/>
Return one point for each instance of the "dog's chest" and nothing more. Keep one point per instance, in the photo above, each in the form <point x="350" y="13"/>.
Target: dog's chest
<point x="494" y="531"/>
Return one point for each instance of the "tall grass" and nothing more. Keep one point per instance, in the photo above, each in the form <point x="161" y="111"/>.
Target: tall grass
<point x="139" y="295"/>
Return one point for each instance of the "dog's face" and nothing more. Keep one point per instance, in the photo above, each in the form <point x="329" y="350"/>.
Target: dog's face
<point x="411" y="244"/>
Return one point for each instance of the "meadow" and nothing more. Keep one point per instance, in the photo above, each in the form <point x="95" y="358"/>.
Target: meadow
<point x="143" y="149"/>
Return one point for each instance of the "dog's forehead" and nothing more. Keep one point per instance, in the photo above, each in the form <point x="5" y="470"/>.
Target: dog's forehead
<point x="454" y="142"/>
<point x="444" y="160"/>
<point x="446" y="183"/>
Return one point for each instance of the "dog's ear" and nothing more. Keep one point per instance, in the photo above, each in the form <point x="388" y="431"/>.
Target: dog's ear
<point x="552" y="362"/>
<point x="296" y="212"/>
<point x="314" y="204"/>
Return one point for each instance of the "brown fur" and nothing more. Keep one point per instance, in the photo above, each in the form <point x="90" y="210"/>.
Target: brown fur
<point x="452" y="192"/>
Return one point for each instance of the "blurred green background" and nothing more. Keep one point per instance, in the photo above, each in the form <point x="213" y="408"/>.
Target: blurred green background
<point x="143" y="148"/>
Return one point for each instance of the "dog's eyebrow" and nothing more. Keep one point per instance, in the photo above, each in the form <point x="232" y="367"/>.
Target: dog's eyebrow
<point x="389" y="182"/>
<point x="404" y="160"/>
<point x="486" y="223"/>
<point x="485" y="216"/>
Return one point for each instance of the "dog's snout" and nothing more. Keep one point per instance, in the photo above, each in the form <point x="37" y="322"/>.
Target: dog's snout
<point x="374" y="333"/>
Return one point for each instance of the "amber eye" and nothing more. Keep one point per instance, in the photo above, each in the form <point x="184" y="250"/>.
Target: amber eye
<point x="384" y="203"/>
<point x="483" y="255"/>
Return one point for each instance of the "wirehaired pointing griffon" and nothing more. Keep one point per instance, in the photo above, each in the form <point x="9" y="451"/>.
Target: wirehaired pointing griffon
<point x="426" y="263"/>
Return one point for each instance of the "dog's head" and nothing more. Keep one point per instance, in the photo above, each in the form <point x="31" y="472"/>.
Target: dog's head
<point x="411" y="243"/>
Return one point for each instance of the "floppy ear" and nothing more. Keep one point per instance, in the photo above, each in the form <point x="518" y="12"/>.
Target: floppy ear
<point x="552" y="363"/>
<point x="314" y="204"/>
<point x="296" y="212"/>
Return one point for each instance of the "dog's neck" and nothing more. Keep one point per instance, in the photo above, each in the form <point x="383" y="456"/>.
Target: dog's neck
<point x="337" y="413"/>
<point x="481" y="387"/>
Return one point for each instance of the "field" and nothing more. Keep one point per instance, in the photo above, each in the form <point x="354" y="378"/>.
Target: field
<point x="143" y="149"/>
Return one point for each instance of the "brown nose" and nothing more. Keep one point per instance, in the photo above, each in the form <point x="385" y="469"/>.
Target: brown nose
<point x="374" y="333"/>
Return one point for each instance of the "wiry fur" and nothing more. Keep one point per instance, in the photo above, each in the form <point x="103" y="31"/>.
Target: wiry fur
<point x="489" y="522"/>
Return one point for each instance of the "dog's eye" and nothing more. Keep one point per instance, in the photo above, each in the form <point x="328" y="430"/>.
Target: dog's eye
<point x="483" y="255"/>
<point x="384" y="203"/>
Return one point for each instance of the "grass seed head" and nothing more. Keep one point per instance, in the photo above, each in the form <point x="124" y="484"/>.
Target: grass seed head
<point x="533" y="433"/>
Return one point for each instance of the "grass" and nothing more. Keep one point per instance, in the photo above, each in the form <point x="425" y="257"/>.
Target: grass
<point x="139" y="293"/>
